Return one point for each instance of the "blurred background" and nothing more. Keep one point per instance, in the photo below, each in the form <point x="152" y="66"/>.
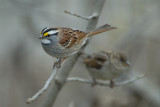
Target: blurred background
<point x="24" y="66"/>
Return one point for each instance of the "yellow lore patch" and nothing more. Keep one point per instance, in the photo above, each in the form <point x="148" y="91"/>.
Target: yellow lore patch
<point x="45" y="34"/>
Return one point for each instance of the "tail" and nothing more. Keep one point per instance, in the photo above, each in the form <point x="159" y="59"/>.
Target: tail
<point x="101" y="29"/>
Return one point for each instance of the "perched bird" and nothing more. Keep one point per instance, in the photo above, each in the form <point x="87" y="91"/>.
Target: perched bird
<point x="106" y="65"/>
<point x="61" y="42"/>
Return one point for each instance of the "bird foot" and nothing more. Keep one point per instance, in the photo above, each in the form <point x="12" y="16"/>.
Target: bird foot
<point x="57" y="64"/>
<point x="94" y="83"/>
<point x="112" y="84"/>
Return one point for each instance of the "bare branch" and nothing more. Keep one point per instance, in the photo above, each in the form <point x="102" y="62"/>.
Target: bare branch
<point x="45" y="87"/>
<point x="77" y="79"/>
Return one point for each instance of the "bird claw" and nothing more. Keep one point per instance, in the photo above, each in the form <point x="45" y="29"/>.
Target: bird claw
<point x="57" y="64"/>
<point x="112" y="84"/>
<point x="94" y="83"/>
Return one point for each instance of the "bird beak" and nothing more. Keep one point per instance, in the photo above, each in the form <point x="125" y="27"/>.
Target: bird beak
<point x="128" y="63"/>
<point x="41" y="37"/>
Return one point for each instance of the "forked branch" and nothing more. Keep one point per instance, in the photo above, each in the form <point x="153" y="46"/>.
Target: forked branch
<point x="45" y="87"/>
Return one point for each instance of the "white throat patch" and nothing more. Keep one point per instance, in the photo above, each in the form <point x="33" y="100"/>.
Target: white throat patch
<point x="45" y="41"/>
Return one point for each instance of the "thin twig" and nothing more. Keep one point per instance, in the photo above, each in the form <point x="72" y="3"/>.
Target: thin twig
<point x="45" y="87"/>
<point x="77" y="79"/>
<point x="79" y="16"/>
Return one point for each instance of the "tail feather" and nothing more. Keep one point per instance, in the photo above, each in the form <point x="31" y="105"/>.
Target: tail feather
<point x="101" y="29"/>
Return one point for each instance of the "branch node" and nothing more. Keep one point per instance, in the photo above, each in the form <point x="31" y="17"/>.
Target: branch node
<point x="28" y="101"/>
<point x="45" y="87"/>
<point x="93" y="16"/>
<point x="58" y="82"/>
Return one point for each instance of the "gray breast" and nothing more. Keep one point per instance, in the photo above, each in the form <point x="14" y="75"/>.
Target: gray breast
<point x="56" y="50"/>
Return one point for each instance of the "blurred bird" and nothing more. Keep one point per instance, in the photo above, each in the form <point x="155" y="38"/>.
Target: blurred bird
<point x="106" y="65"/>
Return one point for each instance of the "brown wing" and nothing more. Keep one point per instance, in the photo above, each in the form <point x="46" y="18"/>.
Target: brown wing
<point x="96" y="60"/>
<point x="92" y="63"/>
<point x="69" y="37"/>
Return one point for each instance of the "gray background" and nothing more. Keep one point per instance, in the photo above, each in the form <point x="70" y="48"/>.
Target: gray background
<point x="24" y="66"/>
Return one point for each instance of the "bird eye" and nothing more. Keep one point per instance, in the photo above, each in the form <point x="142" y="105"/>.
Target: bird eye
<point x="122" y="60"/>
<point x="89" y="57"/>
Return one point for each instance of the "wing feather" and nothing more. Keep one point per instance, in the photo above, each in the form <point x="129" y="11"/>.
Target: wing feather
<point x="69" y="37"/>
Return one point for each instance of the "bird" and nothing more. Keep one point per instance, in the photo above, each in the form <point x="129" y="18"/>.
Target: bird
<point x="106" y="65"/>
<point x="62" y="42"/>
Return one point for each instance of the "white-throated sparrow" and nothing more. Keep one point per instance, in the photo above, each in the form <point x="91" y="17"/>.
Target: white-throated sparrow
<point x="61" y="42"/>
<point x="106" y="65"/>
